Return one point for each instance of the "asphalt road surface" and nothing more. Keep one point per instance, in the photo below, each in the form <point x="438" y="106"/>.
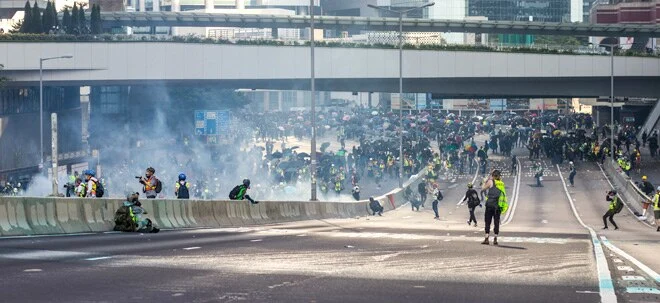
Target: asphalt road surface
<point x="545" y="255"/>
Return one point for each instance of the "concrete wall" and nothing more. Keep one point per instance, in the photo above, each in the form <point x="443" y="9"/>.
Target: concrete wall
<point x="336" y="68"/>
<point x="631" y="195"/>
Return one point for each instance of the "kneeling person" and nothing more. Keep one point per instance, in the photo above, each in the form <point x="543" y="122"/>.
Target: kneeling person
<point x="239" y="192"/>
<point x="128" y="217"/>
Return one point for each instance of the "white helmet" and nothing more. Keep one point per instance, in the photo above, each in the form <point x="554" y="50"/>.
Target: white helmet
<point x="658" y="188"/>
<point x="570" y="163"/>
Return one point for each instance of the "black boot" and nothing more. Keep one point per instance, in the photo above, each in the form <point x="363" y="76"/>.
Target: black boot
<point x="485" y="242"/>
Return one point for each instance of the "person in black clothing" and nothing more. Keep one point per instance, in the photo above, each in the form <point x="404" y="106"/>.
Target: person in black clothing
<point x="514" y="165"/>
<point x="421" y="188"/>
<point x="375" y="206"/>
<point x="493" y="211"/>
<point x="472" y="198"/>
<point x="646" y="187"/>
<point x="438" y="198"/>
<point x="615" y="208"/>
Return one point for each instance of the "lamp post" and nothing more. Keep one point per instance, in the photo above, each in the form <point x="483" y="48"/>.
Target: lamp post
<point x="312" y="153"/>
<point x="611" y="46"/>
<point x="41" y="106"/>
<point x="401" y="13"/>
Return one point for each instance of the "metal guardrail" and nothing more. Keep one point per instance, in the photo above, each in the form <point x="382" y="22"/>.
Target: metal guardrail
<point x="631" y="194"/>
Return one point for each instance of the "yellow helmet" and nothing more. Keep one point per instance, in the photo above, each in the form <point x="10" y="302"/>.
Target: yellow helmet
<point x="643" y="178"/>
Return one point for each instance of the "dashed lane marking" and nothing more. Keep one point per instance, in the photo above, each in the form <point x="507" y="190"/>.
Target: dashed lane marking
<point x="98" y="258"/>
<point x="192" y="248"/>
<point x="650" y="272"/>
<point x="33" y="270"/>
<point x="633" y="278"/>
<point x="625" y="268"/>
<point x="256" y="240"/>
<point x="617" y="260"/>
<point x="642" y="290"/>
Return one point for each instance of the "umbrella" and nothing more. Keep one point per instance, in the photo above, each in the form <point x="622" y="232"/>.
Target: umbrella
<point x="300" y="118"/>
<point x="327" y="127"/>
<point x="280" y="128"/>
<point x="374" y="113"/>
<point x="303" y="155"/>
<point x="276" y="155"/>
<point x="346" y="118"/>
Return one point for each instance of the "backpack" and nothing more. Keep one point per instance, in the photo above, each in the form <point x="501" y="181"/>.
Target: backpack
<point x="123" y="219"/>
<point x="100" y="191"/>
<point x="439" y="197"/>
<point x="233" y="194"/>
<point x="159" y="186"/>
<point x="183" y="192"/>
<point x="618" y="207"/>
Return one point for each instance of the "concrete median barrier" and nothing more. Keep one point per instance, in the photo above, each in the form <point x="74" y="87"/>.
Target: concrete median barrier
<point x="631" y="194"/>
<point x="13" y="221"/>
<point x="70" y="215"/>
<point x="34" y="216"/>
<point x="40" y="215"/>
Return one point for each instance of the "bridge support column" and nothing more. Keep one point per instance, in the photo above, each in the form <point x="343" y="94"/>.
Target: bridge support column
<point x="209" y="5"/>
<point x="156" y="5"/>
<point x="240" y="4"/>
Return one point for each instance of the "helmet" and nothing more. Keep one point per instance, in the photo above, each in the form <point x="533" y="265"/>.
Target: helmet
<point x="496" y="173"/>
<point x="470" y="185"/>
<point x="612" y="192"/>
<point x="246" y="182"/>
<point x="182" y="177"/>
<point x="658" y="189"/>
<point x="643" y="178"/>
<point x="89" y="172"/>
<point x="570" y="162"/>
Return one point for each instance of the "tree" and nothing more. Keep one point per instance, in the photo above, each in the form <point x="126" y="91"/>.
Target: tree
<point x="25" y="25"/>
<point x="53" y="16"/>
<point x="46" y="21"/>
<point x="95" y="22"/>
<point x="66" y="20"/>
<point x="84" y="28"/>
<point x="2" y="79"/>
<point x="74" y="27"/>
<point x="37" y="27"/>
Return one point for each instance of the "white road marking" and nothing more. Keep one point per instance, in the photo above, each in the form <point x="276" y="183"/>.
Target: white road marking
<point x="419" y="286"/>
<point x="643" y="290"/>
<point x="633" y="278"/>
<point x="628" y="257"/>
<point x="625" y="268"/>
<point x="33" y="270"/>
<point x="256" y="240"/>
<point x="617" y="260"/>
<point x="43" y="255"/>
<point x="192" y="248"/>
<point x="586" y="292"/>
<point x="46" y="236"/>
<point x="177" y="294"/>
<point x="385" y="257"/>
<point x="407" y="217"/>
<point x="605" y="285"/>
<point x="514" y="196"/>
<point x="544" y="221"/>
<point x="98" y="258"/>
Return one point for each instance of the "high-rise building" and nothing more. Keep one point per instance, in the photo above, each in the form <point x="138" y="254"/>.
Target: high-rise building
<point x="527" y="10"/>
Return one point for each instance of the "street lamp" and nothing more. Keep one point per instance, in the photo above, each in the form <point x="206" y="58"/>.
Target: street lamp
<point x="312" y="153"/>
<point x="401" y="13"/>
<point x="41" y="106"/>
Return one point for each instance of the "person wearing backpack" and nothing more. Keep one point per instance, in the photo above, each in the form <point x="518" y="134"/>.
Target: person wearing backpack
<point x="94" y="187"/>
<point x="438" y="197"/>
<point x="239" y="192"/>
<point x="128" y="218"/>
<point x="496" y="204"/>
<point x="182" y="188"/>
<point x="615" y="207"/>
<point x="151" y="184"/>
<point x="472" y="198"/>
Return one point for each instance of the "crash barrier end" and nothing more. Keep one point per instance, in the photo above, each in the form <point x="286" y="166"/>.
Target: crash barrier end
<point x="627" y="190"/>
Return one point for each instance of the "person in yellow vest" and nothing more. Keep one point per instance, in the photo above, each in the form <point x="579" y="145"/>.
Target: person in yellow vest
<point x="615" y="207"/>
<point x="656" y="208"/>
<point x="496" y="204"/>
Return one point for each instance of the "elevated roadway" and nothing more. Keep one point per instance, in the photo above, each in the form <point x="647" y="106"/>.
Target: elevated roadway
<point x="451" y="73"/>
<point x="200" y="19"/>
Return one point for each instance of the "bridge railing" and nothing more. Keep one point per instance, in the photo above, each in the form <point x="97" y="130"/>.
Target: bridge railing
<point x="380" y="43"/>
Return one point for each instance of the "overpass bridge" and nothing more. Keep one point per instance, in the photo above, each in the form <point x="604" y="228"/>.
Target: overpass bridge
<point x="199" y="19"/>
<point x="450" y="73"/>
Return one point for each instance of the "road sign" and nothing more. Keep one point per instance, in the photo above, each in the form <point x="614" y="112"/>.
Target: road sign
<point x="212" y="124"/>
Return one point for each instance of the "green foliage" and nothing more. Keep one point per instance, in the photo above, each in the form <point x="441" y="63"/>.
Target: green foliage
<point x="2" y="79"/>
<point x="560" y="40"/>
<point x="66" y="20"/>
<point x="74" y="27"/>
<point x="27" y="18"/>
<point x="36" y="25"/>
<point x="83" y="27"/>
<point x="95" y="20"/>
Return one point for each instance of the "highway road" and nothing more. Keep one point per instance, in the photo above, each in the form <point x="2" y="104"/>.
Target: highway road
<point x="552" y="249"/>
